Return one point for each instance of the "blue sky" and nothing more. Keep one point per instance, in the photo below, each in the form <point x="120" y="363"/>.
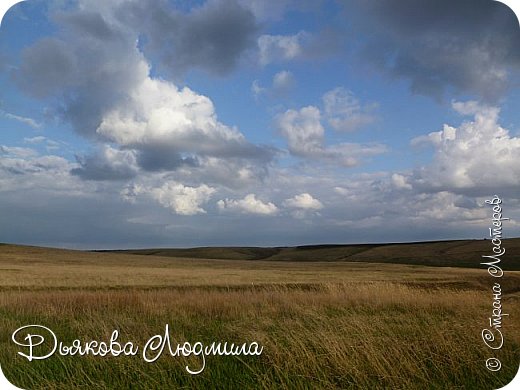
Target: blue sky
<point x="248" y="122"/>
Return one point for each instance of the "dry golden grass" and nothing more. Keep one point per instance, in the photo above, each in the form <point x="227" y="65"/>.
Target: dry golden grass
<point x="323" y="325"/>
<point x="28" y="267"/>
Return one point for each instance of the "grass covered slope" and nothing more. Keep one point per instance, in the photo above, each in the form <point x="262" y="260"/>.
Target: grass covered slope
<point x="24" y="267"/>
<point x="459" y="253"/>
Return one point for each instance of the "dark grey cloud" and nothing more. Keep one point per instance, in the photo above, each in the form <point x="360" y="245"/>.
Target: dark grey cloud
<point x="212" y="37"/>
<point x="87" y="70"/>
<point x="87" y="23"/>
<point x="164" y="159"/>
<point x="47" y="67"/>
<point x="470" y="46"/>
<point x="106" y="164"/>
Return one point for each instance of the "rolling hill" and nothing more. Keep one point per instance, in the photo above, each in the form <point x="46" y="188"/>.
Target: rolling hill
<point x="455" y="253"/>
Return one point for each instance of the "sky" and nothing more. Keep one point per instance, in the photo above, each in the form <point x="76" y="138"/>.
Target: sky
<point x="162" y="123"/>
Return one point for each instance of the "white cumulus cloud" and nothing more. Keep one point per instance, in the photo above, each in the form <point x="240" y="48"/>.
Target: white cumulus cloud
<point x="157" y="112"/>
<point x="344" y="111"/>
<point x="248" y="205"/>
<point x="303" y="131"/>
<point x="181" y="199"/>
<point x="303" y="201"/>
<point x="303" y="205"/>
<point x="305" y="136"/>
<point x="479" y="154"/>
<point x="279" y="48"/>
<point x="283" y="81"/>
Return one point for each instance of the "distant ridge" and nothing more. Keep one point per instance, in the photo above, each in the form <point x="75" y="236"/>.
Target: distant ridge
<point x="454" y="253"/>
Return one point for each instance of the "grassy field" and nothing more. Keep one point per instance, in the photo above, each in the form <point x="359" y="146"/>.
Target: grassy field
<point x="326" y="325"/>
